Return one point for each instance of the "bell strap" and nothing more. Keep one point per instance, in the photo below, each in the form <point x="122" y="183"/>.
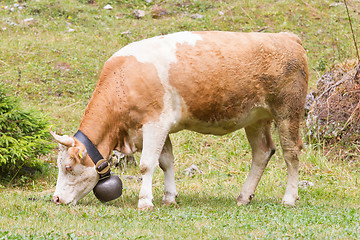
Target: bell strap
<point x="93" y="152"/>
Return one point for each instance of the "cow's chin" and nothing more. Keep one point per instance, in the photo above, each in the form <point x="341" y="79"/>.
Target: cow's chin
<point x="80" y="196"/>
<point x="72" y="197"/>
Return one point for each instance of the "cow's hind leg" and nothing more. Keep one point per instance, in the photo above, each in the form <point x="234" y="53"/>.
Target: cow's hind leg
<point x="154" y="136"/>
<point x="263" y="148"/>
<point x="291" y="144"/>
<point x="166" y="162"/>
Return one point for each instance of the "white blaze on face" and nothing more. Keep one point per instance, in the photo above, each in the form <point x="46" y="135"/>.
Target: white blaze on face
<point x="72" y="185"/>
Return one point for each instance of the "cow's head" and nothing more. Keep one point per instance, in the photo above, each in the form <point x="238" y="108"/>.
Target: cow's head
<point x="77" y="175"/>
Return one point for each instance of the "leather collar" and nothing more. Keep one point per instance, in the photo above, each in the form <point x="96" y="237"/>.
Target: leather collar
<point x="93" y="152"/>
<point x="102" y="166"/>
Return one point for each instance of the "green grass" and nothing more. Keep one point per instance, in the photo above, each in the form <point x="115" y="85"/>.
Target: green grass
<point x="55" y="71"/>
<point x="207" y="207"/>
<point x="195" y="220"/>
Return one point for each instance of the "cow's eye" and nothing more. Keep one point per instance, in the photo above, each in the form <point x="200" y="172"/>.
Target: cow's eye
<point x="68" y="167"/>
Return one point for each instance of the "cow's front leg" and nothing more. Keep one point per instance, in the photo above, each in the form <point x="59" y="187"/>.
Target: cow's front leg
<point x="167" y="165"/>
<point x="153" y="141"/>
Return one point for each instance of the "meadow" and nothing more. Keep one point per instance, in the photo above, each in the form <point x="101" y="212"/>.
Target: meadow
<point x="51" y="55"/>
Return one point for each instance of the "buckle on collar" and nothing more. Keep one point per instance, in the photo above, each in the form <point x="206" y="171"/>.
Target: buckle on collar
<point x="102" y="167"/>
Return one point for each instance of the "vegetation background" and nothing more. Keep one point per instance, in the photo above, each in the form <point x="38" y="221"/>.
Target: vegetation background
<point x="51" y="55"/>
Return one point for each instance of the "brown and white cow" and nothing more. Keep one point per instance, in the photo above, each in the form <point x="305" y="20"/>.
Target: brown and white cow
<point x="208" y="82"/>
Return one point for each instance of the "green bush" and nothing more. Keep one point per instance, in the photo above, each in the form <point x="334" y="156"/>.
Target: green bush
<point x="23" y="137"/>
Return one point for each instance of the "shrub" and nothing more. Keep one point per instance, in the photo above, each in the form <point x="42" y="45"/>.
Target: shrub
<point x="335" y="113"/>
<point x="23" y="137"/>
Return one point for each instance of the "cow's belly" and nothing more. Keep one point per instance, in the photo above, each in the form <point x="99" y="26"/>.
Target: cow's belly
<point x="225" y="126"/>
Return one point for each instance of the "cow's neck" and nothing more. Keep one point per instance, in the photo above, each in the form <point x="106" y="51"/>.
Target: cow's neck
<point x="100" y="122"/>
<point x="100" y="135"/>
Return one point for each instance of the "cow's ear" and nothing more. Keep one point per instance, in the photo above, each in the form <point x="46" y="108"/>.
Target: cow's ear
<point x="78" y="153"/>
<point x="82" y="154"/>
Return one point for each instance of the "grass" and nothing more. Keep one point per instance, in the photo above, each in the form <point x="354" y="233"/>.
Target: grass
<point x="53" y="62"/>
<point x="207" y="208"/>
<point x="195" y="220"/>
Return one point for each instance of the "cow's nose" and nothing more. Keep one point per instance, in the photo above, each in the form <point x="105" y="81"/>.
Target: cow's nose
<point x="57" y="199"/>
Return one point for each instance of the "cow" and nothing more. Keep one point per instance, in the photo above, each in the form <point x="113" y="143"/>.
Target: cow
<point x="211" y="82"/>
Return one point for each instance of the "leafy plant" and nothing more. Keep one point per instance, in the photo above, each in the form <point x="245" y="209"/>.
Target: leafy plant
<point x="23" y="137"/>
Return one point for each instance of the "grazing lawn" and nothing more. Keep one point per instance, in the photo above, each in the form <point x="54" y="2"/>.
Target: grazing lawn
<point x="207" y="203"/>
<point x="51" y="55"/>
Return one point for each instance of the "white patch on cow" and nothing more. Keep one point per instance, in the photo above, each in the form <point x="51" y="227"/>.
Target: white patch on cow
<point x="161" y="52"/>
<point x="73" y="185"/>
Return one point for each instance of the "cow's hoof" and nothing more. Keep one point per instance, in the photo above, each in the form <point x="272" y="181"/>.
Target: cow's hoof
<point x="147" y="208"/>
<point x="144" y="205"/>
<point x="289" y="200"/>
<point x="241" y="200"/>
<point x="290" y="204"/>
<point x="169" y="199"/>
<point x="242" y="203"/>
<point x="170" y="203"/>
